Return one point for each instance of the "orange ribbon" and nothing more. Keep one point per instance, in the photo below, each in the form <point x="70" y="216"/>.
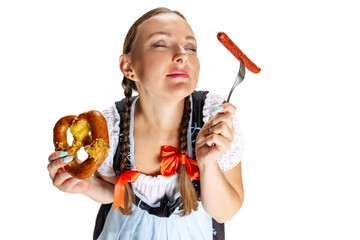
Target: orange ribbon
<point x="170" y="163"/>
<point x="127" y="176"/>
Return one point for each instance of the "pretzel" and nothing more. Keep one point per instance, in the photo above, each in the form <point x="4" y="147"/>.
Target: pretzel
<point x="95" y="144"/>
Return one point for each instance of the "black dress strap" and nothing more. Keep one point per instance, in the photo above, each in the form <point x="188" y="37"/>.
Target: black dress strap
<point x="165" y="209"/>
<point x="120" y="106"/>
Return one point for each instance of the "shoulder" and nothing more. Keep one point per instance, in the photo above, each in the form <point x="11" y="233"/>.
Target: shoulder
<point x="112" y="118"/>
<point x="110" y="113"/>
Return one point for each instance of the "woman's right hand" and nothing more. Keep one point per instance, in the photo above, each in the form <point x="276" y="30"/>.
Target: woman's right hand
<point x="63" y="180"/>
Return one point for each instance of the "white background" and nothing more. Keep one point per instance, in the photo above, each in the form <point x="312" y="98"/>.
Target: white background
<point x="300" y="115"/>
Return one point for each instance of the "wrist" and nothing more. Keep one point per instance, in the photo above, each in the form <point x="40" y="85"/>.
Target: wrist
<point x="90" y="182"/>
<point x="207" y="164"/>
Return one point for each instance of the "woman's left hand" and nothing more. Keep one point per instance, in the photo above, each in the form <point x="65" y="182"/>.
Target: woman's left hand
<point x="212" y="142"/>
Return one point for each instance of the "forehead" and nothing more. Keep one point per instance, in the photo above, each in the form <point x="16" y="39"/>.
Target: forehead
<point x="166" y="22"/>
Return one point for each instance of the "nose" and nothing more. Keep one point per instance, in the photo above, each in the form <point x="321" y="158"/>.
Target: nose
<point x="181" y="56"/>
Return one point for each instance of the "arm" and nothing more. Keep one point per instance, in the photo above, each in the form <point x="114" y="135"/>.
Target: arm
<point x="101" y="189"/>
<point x="222" y="192"/>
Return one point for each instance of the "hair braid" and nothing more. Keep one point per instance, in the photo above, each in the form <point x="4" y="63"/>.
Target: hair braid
<point x="186" y="188"/>
<point x="125" y="148"/>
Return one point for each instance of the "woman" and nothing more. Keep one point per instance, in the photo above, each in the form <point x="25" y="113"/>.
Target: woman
<point x="159" y="61"/>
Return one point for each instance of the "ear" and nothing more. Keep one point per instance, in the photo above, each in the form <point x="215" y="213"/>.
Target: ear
<point x="126" y="66"/>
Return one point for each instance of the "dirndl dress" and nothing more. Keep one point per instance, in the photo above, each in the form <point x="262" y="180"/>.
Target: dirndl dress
<point x="155" y="214"/>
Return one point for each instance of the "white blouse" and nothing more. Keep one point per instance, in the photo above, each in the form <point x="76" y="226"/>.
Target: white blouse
<point x="154" y="188"/>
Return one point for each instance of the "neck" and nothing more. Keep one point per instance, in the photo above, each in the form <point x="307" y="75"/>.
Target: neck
<point x="160" y="115"/>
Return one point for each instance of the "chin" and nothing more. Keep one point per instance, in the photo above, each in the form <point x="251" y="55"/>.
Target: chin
<point x="180" y="91"/>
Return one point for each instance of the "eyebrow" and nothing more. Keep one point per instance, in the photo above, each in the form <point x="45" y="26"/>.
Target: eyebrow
<point x="169" y="35"/>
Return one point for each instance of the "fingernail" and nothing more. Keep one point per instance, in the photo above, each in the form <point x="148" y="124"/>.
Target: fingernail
<point x="209" y="128"/>
<point x="63" y="154"/>
<point x="68" y="159"/>
<point x="218" y="109"/>
<point x="224" y="102"/>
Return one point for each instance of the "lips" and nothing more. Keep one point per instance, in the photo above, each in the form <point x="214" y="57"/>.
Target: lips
<point x="178" y="74"/>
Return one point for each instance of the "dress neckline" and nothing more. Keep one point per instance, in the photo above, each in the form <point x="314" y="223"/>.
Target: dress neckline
<point x="131" y="157"/>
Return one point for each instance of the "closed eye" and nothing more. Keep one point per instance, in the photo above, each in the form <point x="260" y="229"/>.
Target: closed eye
<point x="191" y="48"/>
<point x="160" y="44"/>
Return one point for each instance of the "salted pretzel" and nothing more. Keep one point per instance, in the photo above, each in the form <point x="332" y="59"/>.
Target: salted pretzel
<point x="95" y="144"/>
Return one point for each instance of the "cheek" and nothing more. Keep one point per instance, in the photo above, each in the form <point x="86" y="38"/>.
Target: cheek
<point x="196" y="67"/>
<point x="151" y="65"/>
<point x="142" y="62"/>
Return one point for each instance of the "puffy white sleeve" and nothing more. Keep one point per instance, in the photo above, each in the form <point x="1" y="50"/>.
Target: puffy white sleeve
<point x="113" y="123"/>
<point x="234" y="155"/>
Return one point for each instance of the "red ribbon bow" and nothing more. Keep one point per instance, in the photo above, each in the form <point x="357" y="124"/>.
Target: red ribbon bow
<point x="172" y="157"/>
<point x="127" y="176"/>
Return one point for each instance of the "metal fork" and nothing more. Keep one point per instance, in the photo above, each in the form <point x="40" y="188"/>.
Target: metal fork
<point x="239" y="78"/>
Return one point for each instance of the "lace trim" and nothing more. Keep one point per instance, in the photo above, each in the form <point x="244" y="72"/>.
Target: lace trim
<point x="113" y="123"/>
<point x="234" y="155"/>
<point x="131" y="135"/>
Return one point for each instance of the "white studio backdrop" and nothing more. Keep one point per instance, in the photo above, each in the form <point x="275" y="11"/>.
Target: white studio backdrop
<point x="300" y="115"/>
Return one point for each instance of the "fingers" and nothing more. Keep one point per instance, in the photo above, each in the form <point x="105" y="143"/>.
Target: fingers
<point x="60" y="178"/>
<point x="57" y="161"/>
<point x="218" y="141"/>
<point x="219" y="130"/>
<point x="222" y="129"/>
<point x="227" y="108"/>
<point x="220" y="135"/>
<point x="53" y="156"/>
<point x="221" y="124"/>
<point x="65" y="182"/>
<point x="225" y="113"/>
<point x="222" y="118"/>
<point x="55" y="166"/>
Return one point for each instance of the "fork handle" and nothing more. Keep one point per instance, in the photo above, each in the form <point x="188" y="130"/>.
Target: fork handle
<point x="228" y="99"/>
